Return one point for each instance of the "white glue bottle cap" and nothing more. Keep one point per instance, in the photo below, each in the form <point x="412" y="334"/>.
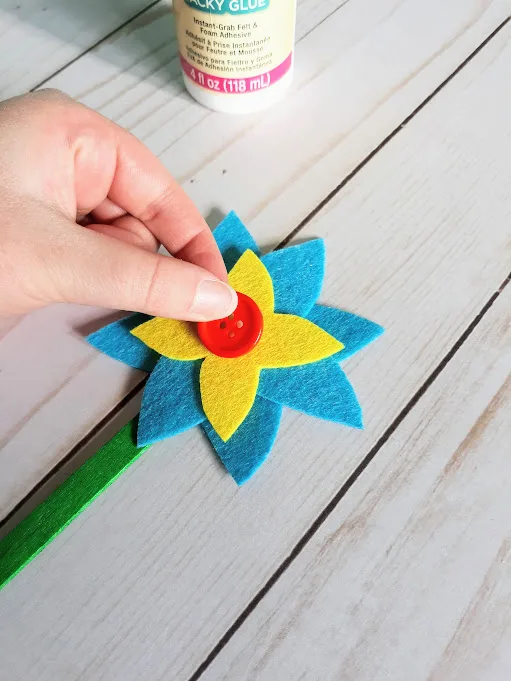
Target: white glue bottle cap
<point x="236" y="55"/>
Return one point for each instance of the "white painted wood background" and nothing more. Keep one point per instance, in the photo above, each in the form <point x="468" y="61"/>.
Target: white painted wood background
<point x="373" y="61"/>
<point x="410" y="577"/>
<point x="401" y="579"/>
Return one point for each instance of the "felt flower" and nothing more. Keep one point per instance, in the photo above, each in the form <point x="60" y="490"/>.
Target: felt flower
<point x="293" y="359"/>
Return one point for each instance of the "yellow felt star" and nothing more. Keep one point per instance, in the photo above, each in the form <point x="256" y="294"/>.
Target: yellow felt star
<point x="228" y="387"/>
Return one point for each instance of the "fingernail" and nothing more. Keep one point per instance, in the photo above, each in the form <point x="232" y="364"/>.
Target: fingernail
<point x="214" y="300"/>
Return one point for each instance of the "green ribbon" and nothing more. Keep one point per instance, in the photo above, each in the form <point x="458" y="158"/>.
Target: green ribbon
<point x="48" y="519"/>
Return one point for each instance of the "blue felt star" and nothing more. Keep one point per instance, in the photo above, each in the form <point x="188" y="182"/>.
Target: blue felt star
<point x="171" y="403"/>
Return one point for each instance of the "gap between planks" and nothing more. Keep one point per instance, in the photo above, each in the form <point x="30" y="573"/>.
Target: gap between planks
<point x="95" y="45"/>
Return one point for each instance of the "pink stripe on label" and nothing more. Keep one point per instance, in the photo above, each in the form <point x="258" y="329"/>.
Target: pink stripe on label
<point x="236" y="86"/>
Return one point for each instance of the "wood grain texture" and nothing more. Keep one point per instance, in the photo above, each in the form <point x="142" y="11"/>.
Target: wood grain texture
<point x="361" y="69"/>
<point x="410" y="576"/>
<point x="147" y="580"/>
<point x="38" y="37"/>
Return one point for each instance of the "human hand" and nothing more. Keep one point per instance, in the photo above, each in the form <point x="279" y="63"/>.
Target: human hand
<point x="84" y="207"/>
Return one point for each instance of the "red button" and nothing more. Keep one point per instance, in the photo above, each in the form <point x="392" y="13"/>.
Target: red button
<point x="235" y="335"/>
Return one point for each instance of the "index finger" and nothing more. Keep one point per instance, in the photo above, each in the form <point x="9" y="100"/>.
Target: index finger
<point x="143" y="187"/>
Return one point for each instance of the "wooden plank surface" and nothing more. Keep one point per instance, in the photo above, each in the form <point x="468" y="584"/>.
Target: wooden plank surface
<point x="410" y="576"/>
<point x="361" y="70"/>
<point x="149" y="578"/>
<point x="38" y="37"/>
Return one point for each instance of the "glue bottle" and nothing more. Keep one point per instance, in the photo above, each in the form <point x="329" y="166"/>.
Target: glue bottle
<point x="236" y="55"/>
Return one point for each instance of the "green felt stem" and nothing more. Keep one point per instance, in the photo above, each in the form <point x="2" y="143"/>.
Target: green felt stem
<point x="48" y="519"/>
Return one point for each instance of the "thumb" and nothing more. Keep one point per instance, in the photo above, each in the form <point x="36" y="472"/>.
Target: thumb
<point x="96" y="269"/>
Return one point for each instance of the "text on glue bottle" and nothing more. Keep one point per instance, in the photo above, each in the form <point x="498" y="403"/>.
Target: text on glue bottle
<point x="236" y="55"/>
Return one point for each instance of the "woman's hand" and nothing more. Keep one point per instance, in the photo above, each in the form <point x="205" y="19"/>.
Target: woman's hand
<point x="84" y="207"/>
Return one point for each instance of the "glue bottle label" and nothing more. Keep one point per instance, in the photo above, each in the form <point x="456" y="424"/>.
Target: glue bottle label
<point x="235" y="46"/>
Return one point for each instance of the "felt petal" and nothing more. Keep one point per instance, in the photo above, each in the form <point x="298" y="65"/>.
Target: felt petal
<point x="171" y="402"/>
<point x="116" y="341"/>
<point x="251" y="443"/>
<point x="288" y="340"/>
<point x="250" y="276"/>
<point x="297" y="274"/>
<point x="228" y="389"/>
<point x="353" y="331"/>
<point x="171" y="338"/>
<point x="319" y="389"/>
<point x="233" y="239"/>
